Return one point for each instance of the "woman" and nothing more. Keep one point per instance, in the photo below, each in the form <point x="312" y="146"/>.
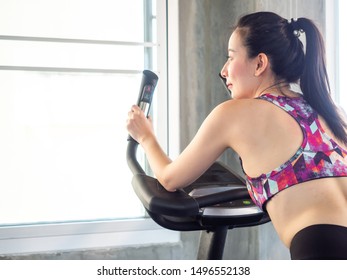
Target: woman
<point x="293" y="146"/>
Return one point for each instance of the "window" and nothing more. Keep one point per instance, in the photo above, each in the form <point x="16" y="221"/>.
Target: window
<point x="336" y="43"/>
<point x="69" y="72"/>
<point x="342" y="56"/>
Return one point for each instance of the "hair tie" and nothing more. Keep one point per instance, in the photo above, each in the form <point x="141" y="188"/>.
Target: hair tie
<point x="294" y="25"/>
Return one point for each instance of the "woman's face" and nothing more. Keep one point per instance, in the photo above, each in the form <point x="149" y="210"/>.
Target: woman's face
<point x="239" y="70"/>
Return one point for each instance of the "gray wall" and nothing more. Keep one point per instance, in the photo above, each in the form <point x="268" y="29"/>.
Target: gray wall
<point x="204" y="32"/>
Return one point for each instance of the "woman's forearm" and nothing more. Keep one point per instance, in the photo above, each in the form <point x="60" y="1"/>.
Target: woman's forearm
<point x="159" y="161"/>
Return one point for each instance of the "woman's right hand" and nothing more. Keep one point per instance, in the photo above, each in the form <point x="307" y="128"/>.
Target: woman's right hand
<point x="138" y="125"/>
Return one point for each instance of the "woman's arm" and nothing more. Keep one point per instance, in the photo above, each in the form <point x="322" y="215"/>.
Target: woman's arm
<point x="207" y="145"/>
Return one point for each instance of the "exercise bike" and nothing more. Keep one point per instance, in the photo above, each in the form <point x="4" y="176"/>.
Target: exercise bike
<point x="215" y="203"/>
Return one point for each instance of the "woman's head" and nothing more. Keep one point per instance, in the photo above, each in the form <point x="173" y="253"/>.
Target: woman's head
<point x="264" y="44"/>
<point x="268" y="33"/>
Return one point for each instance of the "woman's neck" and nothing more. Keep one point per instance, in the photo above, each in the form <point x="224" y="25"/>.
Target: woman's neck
<point x="279" y="88"/>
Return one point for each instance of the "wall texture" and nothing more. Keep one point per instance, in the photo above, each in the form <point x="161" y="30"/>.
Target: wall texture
<point x="205" y="27"/>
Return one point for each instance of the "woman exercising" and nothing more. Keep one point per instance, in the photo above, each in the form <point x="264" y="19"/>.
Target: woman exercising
<point x="293" y="146"/>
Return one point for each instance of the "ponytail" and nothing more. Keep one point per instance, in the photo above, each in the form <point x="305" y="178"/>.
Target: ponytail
<point x="314" y="81"/>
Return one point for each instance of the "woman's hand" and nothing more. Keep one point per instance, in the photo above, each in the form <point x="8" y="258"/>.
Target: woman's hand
<point x="138" y="126"/>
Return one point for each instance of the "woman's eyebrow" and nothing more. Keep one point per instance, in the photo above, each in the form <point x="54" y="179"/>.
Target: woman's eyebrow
<point x="231" y="50"/>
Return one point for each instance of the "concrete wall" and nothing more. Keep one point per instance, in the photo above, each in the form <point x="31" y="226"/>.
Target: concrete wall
<point x="204" y="32"/>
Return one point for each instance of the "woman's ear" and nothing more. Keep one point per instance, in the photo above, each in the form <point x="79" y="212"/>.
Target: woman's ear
<point x="262" y="63"/>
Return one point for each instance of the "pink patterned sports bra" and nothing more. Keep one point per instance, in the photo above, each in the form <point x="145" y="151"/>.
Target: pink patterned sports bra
<point x="319" y="156"/>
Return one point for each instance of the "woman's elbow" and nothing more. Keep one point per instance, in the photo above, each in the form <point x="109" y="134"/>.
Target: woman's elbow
<point x="171" y="179"/>
<point x="169" y="184"/>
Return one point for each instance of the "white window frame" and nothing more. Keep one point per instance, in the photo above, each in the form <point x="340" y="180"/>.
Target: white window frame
<point x="332" y="46"/>
<point x="26" y="239"/>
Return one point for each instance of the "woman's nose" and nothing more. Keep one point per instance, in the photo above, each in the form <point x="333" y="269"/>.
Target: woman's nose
<point x="223" y="72"/>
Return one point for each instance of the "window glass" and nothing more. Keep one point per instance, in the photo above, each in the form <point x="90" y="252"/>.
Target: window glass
<point x="71" y="55"/>
<point x="63" y="104"/>
<point x="342" y="56"/>
<point x="117" y="20"/>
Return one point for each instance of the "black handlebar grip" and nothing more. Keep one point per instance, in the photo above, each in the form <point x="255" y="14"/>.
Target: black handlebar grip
<point x="147" y="87"/>
<point x="148" y="84"/>
<point x="144" y="101"/>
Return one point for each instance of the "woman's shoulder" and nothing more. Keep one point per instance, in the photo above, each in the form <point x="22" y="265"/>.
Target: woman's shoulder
<point x="244" y="109"/>
<point x="253" y="117"/>
<point x="242" y="118"/>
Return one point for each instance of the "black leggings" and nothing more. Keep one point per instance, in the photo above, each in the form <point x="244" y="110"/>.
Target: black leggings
<point x="320" y="242"/>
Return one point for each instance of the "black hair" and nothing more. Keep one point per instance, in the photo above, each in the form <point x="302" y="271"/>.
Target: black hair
<point x="278" y="38"/>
